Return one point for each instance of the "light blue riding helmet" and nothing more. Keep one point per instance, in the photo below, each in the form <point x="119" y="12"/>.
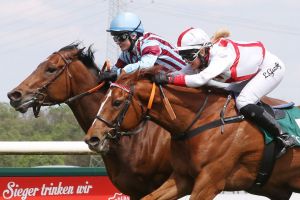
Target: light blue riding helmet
<point x="126" y="21"/>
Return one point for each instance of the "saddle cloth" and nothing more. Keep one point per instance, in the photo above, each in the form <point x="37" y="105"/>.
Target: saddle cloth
<point x="290" y="123"/>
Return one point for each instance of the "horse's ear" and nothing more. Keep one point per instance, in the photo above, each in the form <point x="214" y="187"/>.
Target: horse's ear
<point x="81" y="50"/>
<point x="122" y="73"/>
<point x="136" y="75"/>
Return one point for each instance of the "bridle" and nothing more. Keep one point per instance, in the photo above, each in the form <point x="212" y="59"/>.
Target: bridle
<point x="115" y="125"/>
<point x="40" y="95"/>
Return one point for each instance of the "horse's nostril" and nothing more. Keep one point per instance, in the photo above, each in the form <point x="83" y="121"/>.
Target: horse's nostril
<point x="93" y="141"/>
<point x="14" y="95"/>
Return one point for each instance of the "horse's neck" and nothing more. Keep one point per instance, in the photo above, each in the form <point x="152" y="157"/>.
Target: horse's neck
<point x="85" y="108"/>
<point x="186" y="106"/>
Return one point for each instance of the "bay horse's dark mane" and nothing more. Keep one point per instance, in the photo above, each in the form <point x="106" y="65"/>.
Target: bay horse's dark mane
<point x="85" y="56"/>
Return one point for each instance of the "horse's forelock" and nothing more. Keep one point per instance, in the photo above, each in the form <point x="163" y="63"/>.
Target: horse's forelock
<point x="125" y="78"/>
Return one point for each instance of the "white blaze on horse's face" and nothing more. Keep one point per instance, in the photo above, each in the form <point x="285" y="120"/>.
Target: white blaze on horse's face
<point x="102" y="105"/>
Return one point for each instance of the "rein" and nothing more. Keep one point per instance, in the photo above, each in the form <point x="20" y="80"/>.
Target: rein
<point x="198" y="115"/>
<point x="94" y="89"/>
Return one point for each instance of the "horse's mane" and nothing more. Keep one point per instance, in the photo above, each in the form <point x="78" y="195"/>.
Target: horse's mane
<point x="85" y="56"/>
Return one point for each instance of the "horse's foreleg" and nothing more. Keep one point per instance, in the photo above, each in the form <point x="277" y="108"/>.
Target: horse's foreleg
<point x="174" y="188"/>
<point x="207" y="185"/>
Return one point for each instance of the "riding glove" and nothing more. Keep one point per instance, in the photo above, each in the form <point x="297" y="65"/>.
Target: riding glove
<point x="108" y="76"/>
<point x="161" y="78"/>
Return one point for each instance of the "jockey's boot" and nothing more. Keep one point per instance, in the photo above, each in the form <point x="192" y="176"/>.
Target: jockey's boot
<point x="263" y="119"/>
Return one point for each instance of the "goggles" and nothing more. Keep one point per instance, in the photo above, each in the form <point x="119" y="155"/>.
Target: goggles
<point x="190" y="55"/>
<point x="121" y="37"/>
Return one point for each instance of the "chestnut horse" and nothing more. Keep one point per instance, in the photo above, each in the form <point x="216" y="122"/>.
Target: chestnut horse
<point x="135" y="171"/>
<point x="208" y="163"/>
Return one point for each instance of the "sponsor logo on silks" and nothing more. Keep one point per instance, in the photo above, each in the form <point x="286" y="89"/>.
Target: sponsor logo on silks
<point x="119" y="196"/>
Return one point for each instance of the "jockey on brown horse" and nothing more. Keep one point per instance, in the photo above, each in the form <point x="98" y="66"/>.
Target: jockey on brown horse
<point x="224" y="63"/>
<point x="139" y="49"/>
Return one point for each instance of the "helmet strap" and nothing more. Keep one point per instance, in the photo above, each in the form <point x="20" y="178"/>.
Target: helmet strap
<point x="133" y="37"/>
<point x="137" y="26"/>
<point x="132" y="42"/>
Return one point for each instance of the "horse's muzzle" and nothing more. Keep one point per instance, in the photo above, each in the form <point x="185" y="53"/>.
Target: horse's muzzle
<point x="97" y="145"/>
<point x="18" y="102"/>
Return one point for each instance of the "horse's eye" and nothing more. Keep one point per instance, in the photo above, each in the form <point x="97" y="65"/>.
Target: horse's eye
<point x="51" y="69"/>
<point x="117" y="103"/>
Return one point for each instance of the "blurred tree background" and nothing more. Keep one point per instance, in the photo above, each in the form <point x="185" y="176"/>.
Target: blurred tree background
<point x="56" y="123"/>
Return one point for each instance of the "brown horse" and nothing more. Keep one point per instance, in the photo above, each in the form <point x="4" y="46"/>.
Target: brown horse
<point x="71" y="71"/>
<point x="208" y="163"/>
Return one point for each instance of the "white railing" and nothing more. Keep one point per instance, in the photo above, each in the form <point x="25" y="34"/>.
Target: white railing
<point x="44" y="148"/>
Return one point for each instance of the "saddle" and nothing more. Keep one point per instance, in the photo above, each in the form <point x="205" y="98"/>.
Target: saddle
<point x="278" y="111"/>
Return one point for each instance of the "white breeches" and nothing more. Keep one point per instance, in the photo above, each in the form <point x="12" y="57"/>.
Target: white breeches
<point x="270" y="75"/>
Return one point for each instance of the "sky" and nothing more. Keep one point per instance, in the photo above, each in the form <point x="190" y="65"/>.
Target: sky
<point x="33" y="29"/>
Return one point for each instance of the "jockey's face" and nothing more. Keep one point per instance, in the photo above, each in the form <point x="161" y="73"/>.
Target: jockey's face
<point x="122" y="40"/>
<point x="195" y="64"/>
<point x="191" y="57"/>
<point x="125" y="45"/>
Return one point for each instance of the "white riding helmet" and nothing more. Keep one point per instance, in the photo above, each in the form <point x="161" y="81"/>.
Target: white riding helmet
<point x="193" y="38"/>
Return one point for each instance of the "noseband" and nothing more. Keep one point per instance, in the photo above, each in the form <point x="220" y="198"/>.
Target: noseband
<point x="115" y="125"/>
<point x="41" y="93"/>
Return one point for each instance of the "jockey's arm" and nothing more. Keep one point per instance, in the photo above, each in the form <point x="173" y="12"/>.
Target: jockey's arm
<point x="215" y="68"/>
<point x="146" y="61"/>
<point x="150" y="50"/>
<point x="218" y="84"/>
<point x="116" y="69"/>
<point x="221" y="61"/>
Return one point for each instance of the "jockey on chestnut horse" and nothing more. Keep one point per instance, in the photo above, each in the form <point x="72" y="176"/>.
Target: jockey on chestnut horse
<point x="206" y="159"/>
<point x="228" y="61"/>
<point x="208" y="163"/>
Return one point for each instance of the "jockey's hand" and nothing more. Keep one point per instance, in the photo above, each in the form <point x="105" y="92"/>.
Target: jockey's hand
<point x="108" y="76"/>
<point x="161" y="78"/>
